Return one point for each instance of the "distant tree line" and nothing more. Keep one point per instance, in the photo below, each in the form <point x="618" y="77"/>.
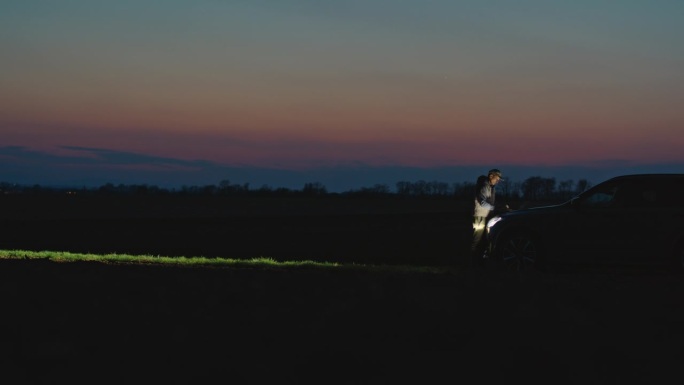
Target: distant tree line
<point x="534" y="188"/>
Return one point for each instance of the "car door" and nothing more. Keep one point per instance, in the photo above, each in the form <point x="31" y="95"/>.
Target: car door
<point x="657" y="220"/>
<point x="625" y="221"/>
<point x="594" y="226"/>
<point x="637" y="229"/>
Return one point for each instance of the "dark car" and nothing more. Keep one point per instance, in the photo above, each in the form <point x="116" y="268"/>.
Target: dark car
<point x="626" y="220"/>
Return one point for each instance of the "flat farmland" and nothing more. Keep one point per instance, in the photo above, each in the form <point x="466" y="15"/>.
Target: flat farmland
<point x="336" y="229"/>
<point x="91" y="322"/>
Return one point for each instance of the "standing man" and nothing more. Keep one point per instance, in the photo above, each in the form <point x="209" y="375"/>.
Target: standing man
<point x="485" y="196"/>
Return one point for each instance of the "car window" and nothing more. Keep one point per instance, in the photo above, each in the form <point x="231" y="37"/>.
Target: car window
<point x="599" y="198"/>
<point x="650" y="194"/>
<point x="631" y="195"/>
<point x="656" y="196"/>
<point x="635" y="193"/>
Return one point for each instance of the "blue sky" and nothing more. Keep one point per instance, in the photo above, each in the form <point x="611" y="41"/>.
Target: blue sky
<point x="308" y="87"/>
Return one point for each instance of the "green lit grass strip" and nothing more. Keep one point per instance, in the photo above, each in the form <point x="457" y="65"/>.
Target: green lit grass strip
<point x="261" y="262"/>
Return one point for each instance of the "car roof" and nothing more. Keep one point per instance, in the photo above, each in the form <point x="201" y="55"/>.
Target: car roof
<point x="649" y="176"/>
<point x="674" y="179"/>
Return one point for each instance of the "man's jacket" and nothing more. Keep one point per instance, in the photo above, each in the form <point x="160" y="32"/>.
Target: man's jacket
<point x="485" y="195"/>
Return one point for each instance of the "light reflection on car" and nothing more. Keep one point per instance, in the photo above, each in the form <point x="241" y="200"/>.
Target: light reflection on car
<point x="626" y="220"/>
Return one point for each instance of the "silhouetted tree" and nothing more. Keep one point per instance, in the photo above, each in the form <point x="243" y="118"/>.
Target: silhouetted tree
<point x="403" y="188"/>
<point x="582" y="185"/>
<point x="537" y="188"/>
<point x="438" y="188"/>
<point x="534" y="189"/>
<point x="503" y="188"/>
<point x="463" y="190"/>
<point x="265" y="190"/>
<point x="565" y="189"/>
<point x="514" y="190"/>
<point x="315" y="188"/>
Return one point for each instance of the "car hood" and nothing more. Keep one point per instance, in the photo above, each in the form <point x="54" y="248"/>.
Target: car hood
<point x="541" y="210"/>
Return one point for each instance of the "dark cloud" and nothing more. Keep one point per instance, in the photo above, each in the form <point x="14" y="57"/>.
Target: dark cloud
<point x="105" y="156"/>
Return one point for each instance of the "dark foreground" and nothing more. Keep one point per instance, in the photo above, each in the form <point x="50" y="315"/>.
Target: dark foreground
<point x="113" y="324"/>
<point x="387" y="231"/>
<point x="110" y="324"/>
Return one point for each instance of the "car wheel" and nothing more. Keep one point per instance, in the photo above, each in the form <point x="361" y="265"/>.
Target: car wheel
<point x="519" y="251"/>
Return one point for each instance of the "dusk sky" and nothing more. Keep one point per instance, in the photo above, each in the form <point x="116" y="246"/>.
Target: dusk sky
<point x="194" y="92"/>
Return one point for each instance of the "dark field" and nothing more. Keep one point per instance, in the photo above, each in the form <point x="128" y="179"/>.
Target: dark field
<point x="387" y="231"/>
<point x="99" y="323"/>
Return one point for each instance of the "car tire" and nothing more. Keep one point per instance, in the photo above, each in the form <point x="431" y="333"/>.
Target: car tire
<point x="520" y="251"/>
